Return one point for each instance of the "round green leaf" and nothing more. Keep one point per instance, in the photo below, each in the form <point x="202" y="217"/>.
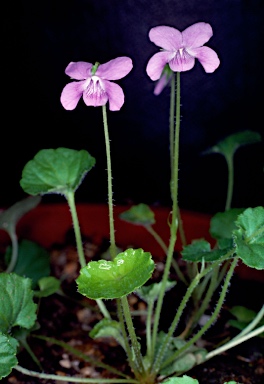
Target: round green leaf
<point x="249" y="237"/>
<point x="56" y="171"/>
<point x="8" y="350"/>
<point x="231" y="143"/>
<point x="108" y="328"/>
<point x="33" y="261"/>
<point x="113" y="279"/>
<point x="150" y="292"/>
<point x="48" y="285"/>
<point x="181" y="380"/>
<point x="200" y="250"/>
<point x="139" y="214"/>
<point x="222" y="224"/>
<point x="16" y="302"/>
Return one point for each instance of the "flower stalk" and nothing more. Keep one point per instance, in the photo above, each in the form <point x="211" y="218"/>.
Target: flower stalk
<point x="110" y="188"/>
<point x="174" y="222"/>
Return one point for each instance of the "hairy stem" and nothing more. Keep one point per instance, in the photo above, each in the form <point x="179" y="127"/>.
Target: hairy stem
<point x="110" y="189"/>
<point x="69" y="379"/>
<point x="210" y="321"/>
<point x="182" y="305"/>
<point x="174" y="222"/>
<point x="80" y="251"/>
<point x="159" y="240"/>
<point x="235" y="342"/>
<point x="132" y="334"/>
<point x="76" y="352"/>
<point x="230" y="184"/>
<point x="172" y="124"/>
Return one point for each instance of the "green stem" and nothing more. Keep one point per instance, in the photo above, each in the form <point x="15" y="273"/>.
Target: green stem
<point x="150" y="352"/>
<point x="209" y="322"/>
<point x="230" y="184"/>
<point x="14" y="254"/>
<point x="172" y="117"/>
<point x="181" y="230"/>
<point x="251" y="325"/>
<point x="110" y="191"/>
<point x="159" y="240"/>
<point x="25" y="344"/>
<point x="157" y="237"/>
<point x="69" y="379"/>
<point x="209" y="293"/>
<point x="76" y="226"/>
<point x="125" y="338"/>
<point x="134" y="342"/>
<point x="199" y="291"/>
<point x="235" y="342"/>
<point x="174" y="224"/>
<point x="222" y="272"/>
<point x="71" y="202"/>
<point x="76" y="352"/>
<point x="182" y="305"/>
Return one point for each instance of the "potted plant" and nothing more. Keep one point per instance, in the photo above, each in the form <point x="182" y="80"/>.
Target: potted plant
<point x="124" y="283"/>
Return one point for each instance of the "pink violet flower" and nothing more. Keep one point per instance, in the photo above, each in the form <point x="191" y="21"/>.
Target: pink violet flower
<point x="94" y="83"/>
<point x="180" y="49"/>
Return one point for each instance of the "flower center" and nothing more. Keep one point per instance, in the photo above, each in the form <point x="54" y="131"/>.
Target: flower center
<point x="94" y="87"/>
<point x="182" y="56"/>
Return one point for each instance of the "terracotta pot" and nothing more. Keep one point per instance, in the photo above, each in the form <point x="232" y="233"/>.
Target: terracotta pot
<point x="48" y="224"/>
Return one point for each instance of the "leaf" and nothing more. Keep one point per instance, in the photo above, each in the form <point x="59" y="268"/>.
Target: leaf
<point x="8" y="350"/>
<point x="181" y="380"/>
<point x="249" y="237"/>
<point x="223" y="223"/>
<point x="232" y="382"/>
<point x="244" y="316"/>
<point x="16" y="302"/>
<point x="200" y="250"/>
<point x="242" y="313"/>
<point x="48" y="285"/>
<point x="108" y="328"/>
<point x="112" y="279"/>
<point x="237" y="324"/>
<point x="139" y="214"/>
<point x="192" y="356"/>
<point x="184" y="363"/>
<point x="10" y="216"/>
<point x="56" y="171"/>
<point x="150" y="292"/>
<point x="33" y="261"/>
<point x="228" y="146"/>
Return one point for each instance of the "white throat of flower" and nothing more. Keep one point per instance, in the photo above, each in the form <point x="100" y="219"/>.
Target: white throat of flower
<point x="181" y="55"/>
<point x="94" y="86"/>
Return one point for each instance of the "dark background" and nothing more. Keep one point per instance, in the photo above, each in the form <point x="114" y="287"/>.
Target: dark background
<point x="40" y="38"/>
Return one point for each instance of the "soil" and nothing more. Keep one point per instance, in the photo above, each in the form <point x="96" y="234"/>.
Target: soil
<point x="70" y="316"/>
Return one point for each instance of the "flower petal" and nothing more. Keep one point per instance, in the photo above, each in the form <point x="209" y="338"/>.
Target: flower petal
<point x="79" y="70"/>
<point x="207" y="57"/>
<point x="197" y="35"/>
<point x="115" y="69"/>
<point x="156" y="64"/>
<point x="71" y="94"/>
<point x="182" y="62"/>
<point x="95" y="93"/>
<point x="168" y="38"/>
<point x="115" y="94"/>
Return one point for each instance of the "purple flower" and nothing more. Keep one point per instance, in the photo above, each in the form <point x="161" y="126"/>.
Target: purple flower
<point x="94" y="83"/>
<point x="180" y="49"/>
